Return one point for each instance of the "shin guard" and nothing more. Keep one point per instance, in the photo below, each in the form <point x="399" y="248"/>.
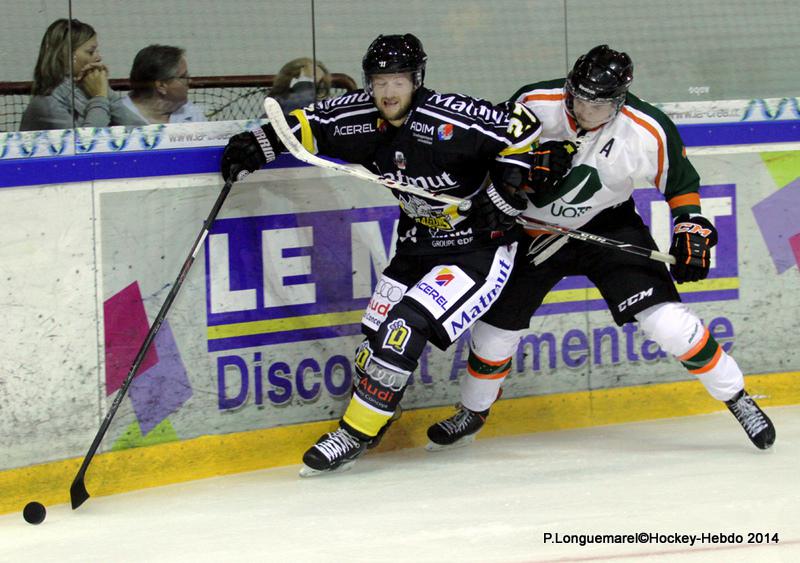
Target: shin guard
<point x="489" y="363"/>
<point x="379" y="387"/>
<point x="384" y="362"/>
<point x="675" y="328"/>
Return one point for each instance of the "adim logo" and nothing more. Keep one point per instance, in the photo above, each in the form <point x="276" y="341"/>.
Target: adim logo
<point x="444" y="277"/>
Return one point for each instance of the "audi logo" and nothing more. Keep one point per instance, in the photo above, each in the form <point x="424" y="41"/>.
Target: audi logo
<point x="388" y="290"/>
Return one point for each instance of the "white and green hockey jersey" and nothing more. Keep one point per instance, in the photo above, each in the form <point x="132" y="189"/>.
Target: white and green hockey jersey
<point x="639" y="146"/>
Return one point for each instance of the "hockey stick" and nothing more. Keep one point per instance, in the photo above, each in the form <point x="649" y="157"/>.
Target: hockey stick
<point x="278" y="121"/>
<point x="596" y="239"/>
<point x="77" y="491"/>
<point x="284" y="132"/>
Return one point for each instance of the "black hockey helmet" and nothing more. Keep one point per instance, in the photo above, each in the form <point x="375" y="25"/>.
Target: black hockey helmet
<point x="394" y="53"/>
<point x="601" y="75"/>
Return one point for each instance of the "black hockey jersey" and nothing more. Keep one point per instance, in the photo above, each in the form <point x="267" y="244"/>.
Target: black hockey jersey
<point x="448" y="144"/>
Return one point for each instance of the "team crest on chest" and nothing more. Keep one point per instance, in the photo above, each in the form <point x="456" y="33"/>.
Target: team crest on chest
<point x="399" y="160"/>
<point x="572" y="198"/>
<point x="423" y="213"/>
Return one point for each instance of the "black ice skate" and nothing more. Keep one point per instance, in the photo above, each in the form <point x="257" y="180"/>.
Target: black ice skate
<point x="457" y="431"/>
<point x="377" y="439"/>
<point x="755" y="422"/>
<point x="335" y="451"/>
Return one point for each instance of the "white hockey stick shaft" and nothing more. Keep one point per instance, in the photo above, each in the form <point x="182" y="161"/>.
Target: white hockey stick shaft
<point x="284" y="133"/>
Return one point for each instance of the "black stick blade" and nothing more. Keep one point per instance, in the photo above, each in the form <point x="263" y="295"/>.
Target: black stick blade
<point x="77" y="492"/>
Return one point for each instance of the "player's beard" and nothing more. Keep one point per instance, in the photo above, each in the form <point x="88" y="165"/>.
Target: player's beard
<point x="395" y="112"/>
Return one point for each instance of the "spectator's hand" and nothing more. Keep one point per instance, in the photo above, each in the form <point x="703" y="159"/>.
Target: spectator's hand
<point x="93" y="79"/>
<point x="692" y="240"/>
<point x="89" y="67"/>
<point x="551" y="161"/>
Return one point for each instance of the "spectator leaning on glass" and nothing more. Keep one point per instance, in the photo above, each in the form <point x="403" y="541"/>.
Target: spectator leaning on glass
<point x="294" y="87"/>
<point x="160" y="86"/>
<point x="69" y="54"/>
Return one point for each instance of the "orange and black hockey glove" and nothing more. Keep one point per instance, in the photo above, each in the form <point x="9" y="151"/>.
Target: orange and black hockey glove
<point x="692" y="240"/>
<point x="551" y="162"/>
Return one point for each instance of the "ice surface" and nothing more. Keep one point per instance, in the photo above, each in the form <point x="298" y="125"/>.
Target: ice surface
<point x="491" y="501"/>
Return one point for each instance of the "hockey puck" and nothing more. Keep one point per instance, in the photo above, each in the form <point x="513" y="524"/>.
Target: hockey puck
<point x="34" y="512"/>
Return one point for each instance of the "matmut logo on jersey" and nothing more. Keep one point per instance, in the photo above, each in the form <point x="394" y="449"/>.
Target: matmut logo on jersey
<point x="294" y="277"/>
<point x="471" y="107"/>
<point x="576" y="294"/>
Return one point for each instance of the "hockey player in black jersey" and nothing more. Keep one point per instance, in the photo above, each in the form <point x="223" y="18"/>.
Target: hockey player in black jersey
<point x="448" y="268"/>
<point x="623" y="141"/>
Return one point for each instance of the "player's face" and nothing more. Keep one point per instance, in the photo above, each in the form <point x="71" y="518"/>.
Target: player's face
<point x="86" y="53"/>
<point x="393" y="93"/>
<point x="591" y="114"/>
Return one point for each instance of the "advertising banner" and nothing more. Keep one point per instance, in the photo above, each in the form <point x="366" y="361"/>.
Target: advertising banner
<point x="264" y="331"/>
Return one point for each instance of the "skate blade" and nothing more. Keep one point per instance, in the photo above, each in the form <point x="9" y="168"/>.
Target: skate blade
<point x="307" y="471"/>
<point x="460" y="443"/>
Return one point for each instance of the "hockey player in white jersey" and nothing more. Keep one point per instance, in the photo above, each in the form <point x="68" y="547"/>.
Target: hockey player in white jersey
<point x="445" y="263"/>
<point x="621" y="141"/>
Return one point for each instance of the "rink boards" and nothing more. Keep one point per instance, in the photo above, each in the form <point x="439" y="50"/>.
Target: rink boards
<point x="253" y="362"/>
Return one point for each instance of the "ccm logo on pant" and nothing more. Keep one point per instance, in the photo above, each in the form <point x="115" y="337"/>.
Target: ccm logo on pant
<point x="635" y="299"/>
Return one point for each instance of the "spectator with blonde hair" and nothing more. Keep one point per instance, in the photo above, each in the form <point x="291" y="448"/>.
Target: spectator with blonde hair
<point x="160" y="86"/>
<point x="295" y="85"/>
<point x="70" y="83"/>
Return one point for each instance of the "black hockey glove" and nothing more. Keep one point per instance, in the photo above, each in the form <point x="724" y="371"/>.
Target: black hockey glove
<point x="692" y="240"/>
<point x="551" y="161"/>
<point x="250" y="150"/>
<point x="497" y="209"/>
